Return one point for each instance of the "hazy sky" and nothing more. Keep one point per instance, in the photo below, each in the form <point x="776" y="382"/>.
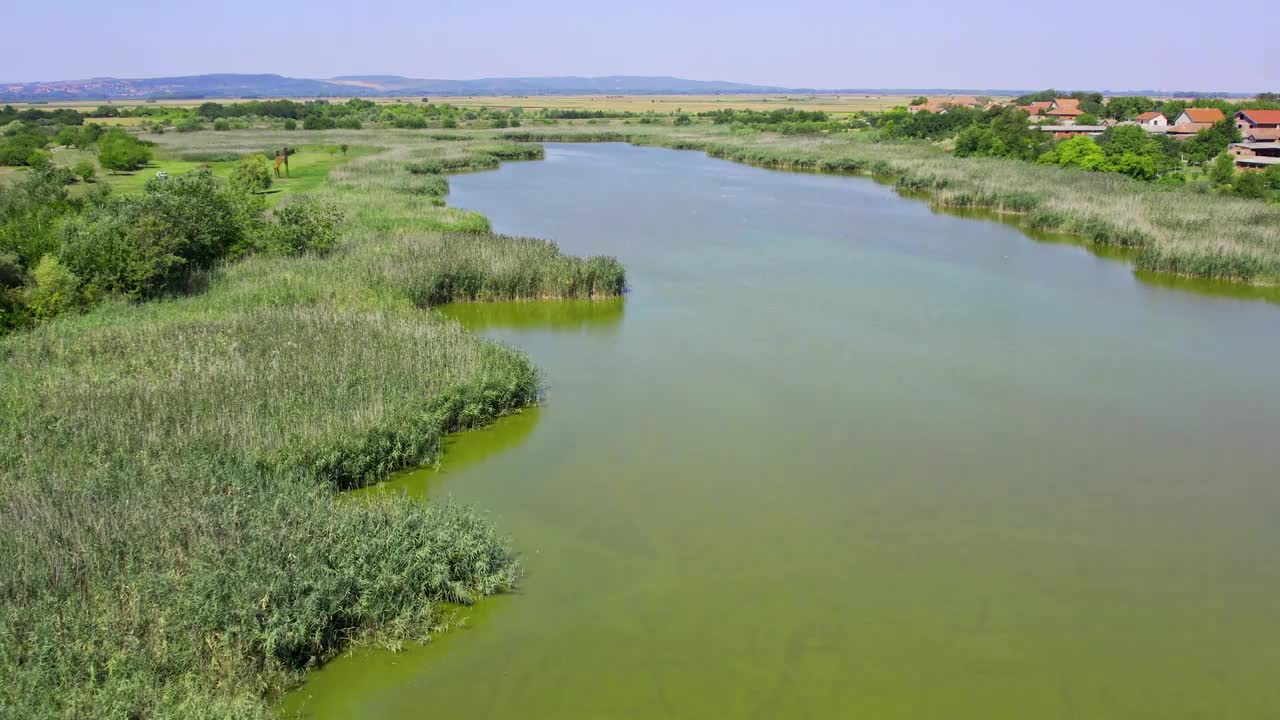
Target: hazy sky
<point x="1173" y="45"/>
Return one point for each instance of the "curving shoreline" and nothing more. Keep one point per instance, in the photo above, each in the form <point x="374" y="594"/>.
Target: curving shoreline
<point x="191" y="450"/>
<point x="1177" y="232"/>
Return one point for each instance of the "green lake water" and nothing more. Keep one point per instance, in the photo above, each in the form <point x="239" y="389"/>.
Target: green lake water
<point x="837" y="455"/>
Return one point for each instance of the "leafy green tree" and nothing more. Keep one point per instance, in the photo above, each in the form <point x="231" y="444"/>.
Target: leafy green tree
<point x="1080" y="152"/>
<point x="1126" y="138"/>
<point x="1223" y="170"/>
<point x="145" y="245"/>
<point x="290" y="124"/>
<point x="118" y="150"/>
<point x="317" y="121"/>
<point x="1087" y="119"/>
<point x="38" y="159"/>
<point x="344" y="148"/>
<point x="251" y="175"/>
<point x="918" y="100"/>
<point x="1128" y="107"/>
<point x="1272" y="177"/>
<point x="1135" y="165"/>
<point x="88" y="136"/>
<point x="682" y="119"/>
<point x="1017" y="138"/>
<point x="55" y="291"/>
<point x="1212" y="141"/>
<point x="191" y="123"/>
<point x="85" y="170"/>
<point x="30" y="212"/>
<point x="20" y="141"/>
<point x="67" y="136"/>
<point x="976" y="140"/>
<point x="1250" y="184"/>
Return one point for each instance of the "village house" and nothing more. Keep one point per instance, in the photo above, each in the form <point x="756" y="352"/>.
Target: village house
<point x="1153" y="121"/>
<point x="1066" y="131"/>
<point x="1256" y="155"/>
<point x="1038" y="108"/>
<point x="1193" y="120"/>
<point x="1259" y="125"/>
<point x="1200" y="116"/>
<point x="940" y="105"/>
<point x="1065" y="111"/>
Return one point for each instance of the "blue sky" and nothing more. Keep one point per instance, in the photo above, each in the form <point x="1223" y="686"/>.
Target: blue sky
<point x="820" y="43"/>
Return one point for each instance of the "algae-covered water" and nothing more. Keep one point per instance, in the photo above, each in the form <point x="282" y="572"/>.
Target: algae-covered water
<point x="836" y="455"/>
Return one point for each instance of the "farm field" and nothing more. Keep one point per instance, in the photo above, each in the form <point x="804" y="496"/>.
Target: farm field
<point x="835" y="104"/>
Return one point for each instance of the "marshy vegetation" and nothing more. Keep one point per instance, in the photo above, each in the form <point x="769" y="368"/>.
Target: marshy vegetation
<point x="171" y="540"/>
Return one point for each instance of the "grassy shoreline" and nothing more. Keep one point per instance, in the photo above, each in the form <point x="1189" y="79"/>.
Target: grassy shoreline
<point x="172" y="543"/>
<point x="1176" y="231"/>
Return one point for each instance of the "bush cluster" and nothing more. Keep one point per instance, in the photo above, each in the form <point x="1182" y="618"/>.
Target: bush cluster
<point x="58" y="255"/>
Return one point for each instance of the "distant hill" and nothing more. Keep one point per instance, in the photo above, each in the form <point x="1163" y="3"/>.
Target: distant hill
<point x="221" y="86"/>
<point x="242" y="86"/>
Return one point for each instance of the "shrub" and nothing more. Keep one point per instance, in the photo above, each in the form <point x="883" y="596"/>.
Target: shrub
<point x="85" y="170"/>
<point x="29" y="214"/>
<point x="67" y="136"/>
<point x="221" y="124"/>
<point x="38" y="159"/>
<point x="17" y="147"/>
<point x="55" y="291"/>
<point x="1272" y="177"/>
<point x="305" y="226"/>
<point x="290" y="124"/>
<point x="118" y="150"/>
<point x="317" y="121"/>
<point x="251" y="175"/>
<point x="143" y="246"/>
<point x="1250" y="185"/>
<point x="1223" y="170"/>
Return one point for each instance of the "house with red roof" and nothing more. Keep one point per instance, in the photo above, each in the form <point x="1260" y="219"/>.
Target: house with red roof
<point x="940" y="105"/>
<point x="1193" y="120"/>
<point x="1200" y="116"/>
<point x="1037" y="108"/>
<point x="1248" y="122"/>
<point x="1065" y="110"/>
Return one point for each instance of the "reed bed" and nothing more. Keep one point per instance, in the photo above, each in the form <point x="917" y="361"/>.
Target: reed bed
<point x="171" y="543"/>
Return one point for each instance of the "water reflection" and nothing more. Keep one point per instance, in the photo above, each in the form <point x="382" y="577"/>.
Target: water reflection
<point x="590" y="316"/>
<point x="461" y="450"/>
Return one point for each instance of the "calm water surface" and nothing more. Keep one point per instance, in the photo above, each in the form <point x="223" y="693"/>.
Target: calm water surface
<point x="837" y="455"/>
